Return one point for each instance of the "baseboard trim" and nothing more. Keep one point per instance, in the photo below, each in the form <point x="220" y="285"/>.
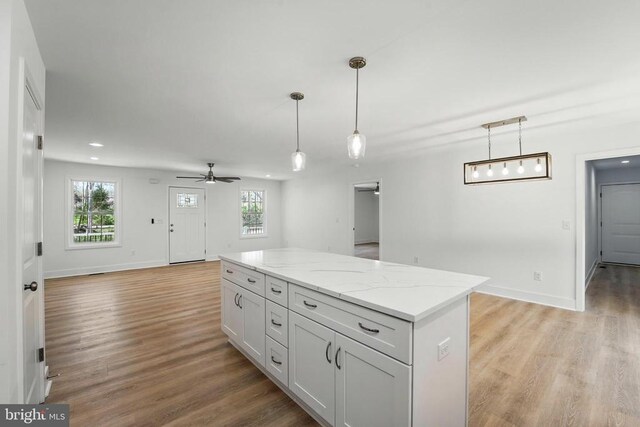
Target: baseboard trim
<point x="102" y="269"/>
<point x="590" y="274"/>
<point x="533" y="297"/>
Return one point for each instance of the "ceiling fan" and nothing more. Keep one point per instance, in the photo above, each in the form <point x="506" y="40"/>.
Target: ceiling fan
<point x="210" y="178"/>
<point x="375" y="190"/>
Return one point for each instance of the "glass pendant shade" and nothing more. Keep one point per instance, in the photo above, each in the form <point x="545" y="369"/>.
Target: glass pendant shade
<point x="356" y="145"/>
<point x="298" y="161"/>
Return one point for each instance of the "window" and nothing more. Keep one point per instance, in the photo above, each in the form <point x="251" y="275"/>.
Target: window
<point x="253" y="204"/>
<point x="93" y="215"/>
<point x="187" y="200"/>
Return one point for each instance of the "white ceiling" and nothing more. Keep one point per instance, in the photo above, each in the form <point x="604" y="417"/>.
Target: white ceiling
<point x="174" y="84"/>
<point x="616" y="163"/>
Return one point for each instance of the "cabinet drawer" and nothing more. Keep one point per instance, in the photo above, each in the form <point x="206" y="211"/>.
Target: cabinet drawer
<point x="277" y="290"/>
<point x="277" y="361"/>
<point x="387" y="334"/>
<point x="276" y="323"/>
<point x="248" y="279"/>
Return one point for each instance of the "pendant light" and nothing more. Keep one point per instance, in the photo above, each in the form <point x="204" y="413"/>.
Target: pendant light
<point x="536" y="166"/>
<point x="298" y="158"/>
<point x="356" y="142"/>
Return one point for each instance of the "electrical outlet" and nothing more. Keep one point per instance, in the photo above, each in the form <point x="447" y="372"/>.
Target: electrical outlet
<point x="415" y="259"/>
<point x="537" y="276"/>
<point x="566" y="225"/>
<point x="443" y="348"/>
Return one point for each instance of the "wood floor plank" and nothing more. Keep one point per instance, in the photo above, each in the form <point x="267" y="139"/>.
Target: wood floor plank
<point x="144" y="348"/>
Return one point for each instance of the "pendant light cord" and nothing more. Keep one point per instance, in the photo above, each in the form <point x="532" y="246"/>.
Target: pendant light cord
<point x="520" y="135"/>
<point x="297" y="129"/>
<point x="489" y="136"/>
<point x="357" y="86"/>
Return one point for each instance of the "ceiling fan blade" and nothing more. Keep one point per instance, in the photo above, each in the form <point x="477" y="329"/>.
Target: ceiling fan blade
<point x="189" y="177"/>
<point x="228" y="177"/>
<point x="200" y="180"/>
<point x="224" y="180"/>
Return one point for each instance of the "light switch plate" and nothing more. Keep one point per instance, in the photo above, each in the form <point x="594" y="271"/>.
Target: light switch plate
<point x="443" y="348"/>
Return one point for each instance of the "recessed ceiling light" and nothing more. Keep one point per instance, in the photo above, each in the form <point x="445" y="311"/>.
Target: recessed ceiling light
<point x="96" y="144"/>
<point x="624" y="162"/>
<point x="94" y="158"/>
<point x="268" y="176"/>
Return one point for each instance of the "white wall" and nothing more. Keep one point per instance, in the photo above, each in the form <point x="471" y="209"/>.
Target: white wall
<point x="366" y="217"/>
<point x="592" y="223"/>
<point x="618" y="175"/>
<point x="16" y="41"/>
<point x="504" y="231"/>
<point x="144" y="244"/>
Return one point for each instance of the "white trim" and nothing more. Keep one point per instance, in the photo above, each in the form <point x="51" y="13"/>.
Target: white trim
<point x="352" y="214"/>
<point x="532" y="297"/>
<point x="265" y="214"/>
<point x="581" y="160"/>
<point x="117" y="242"/>
<point x="103" y="269"/>
<point x="592" y="272"/>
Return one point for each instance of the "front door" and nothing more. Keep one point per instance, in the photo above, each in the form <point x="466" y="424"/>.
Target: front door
<point x="621" y="223"/>
<point x="186" y="224"/>
<point x="32" y="292"/>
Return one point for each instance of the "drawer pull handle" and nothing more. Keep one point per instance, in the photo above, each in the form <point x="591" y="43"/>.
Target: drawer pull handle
<point x="373" y="331"/>
<point x="309" y="305"/>
<point x="240" y="301"/>
<point x="229" y="271"/>
<point x="273" y="322"/>
<point x="326" y="352"/>
<point x="275" y="291"/>
<point x="235" y="299"/>
<point x="336" y="358"/>
<point x="251" y="281"/>
<point x="275" y="361"/>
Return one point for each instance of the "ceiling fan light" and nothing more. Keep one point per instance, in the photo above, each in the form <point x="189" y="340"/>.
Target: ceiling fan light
<point x="298" y="161"/>
<point x="356" y="145"/>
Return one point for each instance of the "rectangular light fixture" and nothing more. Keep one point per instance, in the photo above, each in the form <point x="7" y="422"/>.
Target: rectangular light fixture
<point x="525" y="167"/>
<point x="535" y="166"/>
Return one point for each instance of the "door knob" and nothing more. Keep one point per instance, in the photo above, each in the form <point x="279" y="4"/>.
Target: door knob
<point x="33" y="286"/>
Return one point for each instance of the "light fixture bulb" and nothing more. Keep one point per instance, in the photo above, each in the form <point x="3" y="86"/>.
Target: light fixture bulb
<point x="298" y="161"/>
<point x="505" y="170"/>
<point x="210" y="182"/>
<point x="521" y="168"/>
<point x="538" y="167"/>
<point x="476" y="174"/>
<point x="96" y="144"/>
<point x="490" y="171"/>
<point x="356" y="145"/>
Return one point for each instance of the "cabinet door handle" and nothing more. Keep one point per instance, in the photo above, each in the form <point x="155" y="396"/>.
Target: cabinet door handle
<point x="273" y="322"/>
<point x="275" y="291"/>
<point x="235" y="299"/>
<point x="229" y="271"/>
<point x="326" y="352"/>
<point x="336" y="358"/>
<point x="275" y="361"/>
<point x="373" y="331"/>
<point x="240" y="301"/>
<point x="251" y="281"/>
<point x="309" y="305"/>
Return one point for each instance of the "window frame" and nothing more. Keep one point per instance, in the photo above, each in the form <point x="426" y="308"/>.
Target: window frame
<point x="265" y="212"/>
<point x="69" y="212"/>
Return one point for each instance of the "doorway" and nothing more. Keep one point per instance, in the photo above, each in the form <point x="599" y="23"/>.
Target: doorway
<point x="187" y="224"/>
<point x="620" y="223"/>
<point x="366" y="220"/>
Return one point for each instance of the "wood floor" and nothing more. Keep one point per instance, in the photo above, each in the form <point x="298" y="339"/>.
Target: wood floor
<point x="144" y="348"/>
<point x="367" y="250"/>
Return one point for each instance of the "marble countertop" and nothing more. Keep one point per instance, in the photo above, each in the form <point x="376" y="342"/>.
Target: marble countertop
<point x="408" y="292"/>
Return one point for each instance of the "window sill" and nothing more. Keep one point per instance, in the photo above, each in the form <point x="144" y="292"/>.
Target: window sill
<point x="75" y="247"/>
<point x="254" y="236"/>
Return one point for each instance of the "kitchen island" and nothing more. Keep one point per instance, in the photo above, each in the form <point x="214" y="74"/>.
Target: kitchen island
<point x="355" y="342"/>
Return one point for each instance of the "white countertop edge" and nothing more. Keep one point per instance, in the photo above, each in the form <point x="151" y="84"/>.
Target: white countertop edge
<point x="414" y="318"/>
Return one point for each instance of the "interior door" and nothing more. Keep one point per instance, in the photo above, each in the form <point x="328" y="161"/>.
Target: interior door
<point x="253" y="328"/>
<point x="371" y="389"/>
<point x="231" y="311"/>
<point x="311" y="371"/>
<point x="186" y="224"/>
<point x="32" y="292"/>
<point x="621" y="223"/>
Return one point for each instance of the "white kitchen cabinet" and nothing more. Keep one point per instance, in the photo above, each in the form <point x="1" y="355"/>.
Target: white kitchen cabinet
<point x="311" y="369"/>
<point x="253" y="328"/>
<point x="371" y="389"/>
<point x="231" y="311"/>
